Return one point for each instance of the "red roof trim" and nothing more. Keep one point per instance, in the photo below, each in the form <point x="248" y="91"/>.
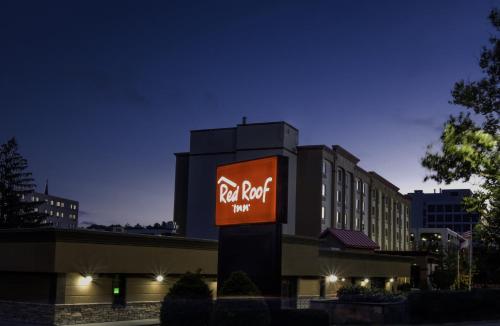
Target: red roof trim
<point x="351" y="239"/>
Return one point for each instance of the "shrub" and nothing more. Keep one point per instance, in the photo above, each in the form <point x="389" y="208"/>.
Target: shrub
<point x="188" y="302"/>
<point x="239" y="284"/>
<point x="356" y="293"/>
<point x="404" y="287"/>
<point x="443" y="279"/>
<point x="300" y="317"/>
<point x="239" y="305"/>
<point x="454" y="306"/>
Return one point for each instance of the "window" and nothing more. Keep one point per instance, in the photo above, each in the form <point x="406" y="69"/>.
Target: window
<point x="323" y="190"/>
<point x="338" y="217"/>
<point x="324" y="167"/>
<point x="322" y="212"/>
<point x="37" y="198"/>
<point x="62" y="204"/>
<point x="339" y="196"/>
<point x="52" y="202"/>
<point x="363" y="206"/>
<point x="339" y="176"/>
<point x="35" y="209"/>
<point x="357" y="204"/>
<point x="356" y="222"/>
<point x="62" y="214"/>
<point x="57" y="214"/>
<point x="58" y="204"/>
<point x="364" y="188"/>
<point x="357" y="184"/>
<point x="51" y="213"/>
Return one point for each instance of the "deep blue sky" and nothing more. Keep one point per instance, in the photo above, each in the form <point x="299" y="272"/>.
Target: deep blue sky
<point x="100" y="94"/>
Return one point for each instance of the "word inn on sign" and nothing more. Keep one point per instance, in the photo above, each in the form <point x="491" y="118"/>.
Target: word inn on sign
<point x="246" y="192"/>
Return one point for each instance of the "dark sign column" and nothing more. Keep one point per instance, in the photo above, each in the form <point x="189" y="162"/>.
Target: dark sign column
<point x="254" y="247"/>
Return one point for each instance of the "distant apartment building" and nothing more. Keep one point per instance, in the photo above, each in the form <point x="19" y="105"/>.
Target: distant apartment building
<point x="326" y="187"/>
<point x="444" y="209"/>
<point x="60" y="212"/>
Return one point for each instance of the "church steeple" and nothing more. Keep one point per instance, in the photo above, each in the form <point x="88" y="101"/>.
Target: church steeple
<point x="46" y="187"/>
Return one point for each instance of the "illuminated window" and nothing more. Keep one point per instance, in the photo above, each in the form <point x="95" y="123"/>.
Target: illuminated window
<point x="338" y="217"/>
<point x="35" y="209"/>
<point x="323" y="212"/>
<point x="58" y="204"/>
<point x="324" y="167"/>
<point x="62" y="214"/>
<point x="57" y="214"/>
<point x="51" y="213"/>
<point x="52" y="202"/>
<point x="62" y="204"/>
<point x="323" y="190"/>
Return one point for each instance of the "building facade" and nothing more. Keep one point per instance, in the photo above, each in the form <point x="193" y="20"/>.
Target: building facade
<point x="60" y="212"/>
<point x="326" y="187"/>
<point x="444" y="209"/>
<point x="334" y="192"/>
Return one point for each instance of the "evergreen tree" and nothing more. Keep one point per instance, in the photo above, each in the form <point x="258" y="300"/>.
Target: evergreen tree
<point x="469" y="141"/>
<point x="15" y="184"/>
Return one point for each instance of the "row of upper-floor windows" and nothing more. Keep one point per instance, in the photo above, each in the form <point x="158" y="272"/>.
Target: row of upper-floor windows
<point x="445" y="208"/>
<point x="450" y="218"/>
<point x="51" y="202"/>
<point x="55" y="213"/>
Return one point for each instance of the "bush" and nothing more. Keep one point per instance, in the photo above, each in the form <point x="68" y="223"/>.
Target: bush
<point x="239" y="284"/>
<point x="454" y="306"/>
<point x="404" y="287"/>
<point x="238" y="304"/>
<point x="300" y="317"/>
<point x="188" y="303"/>
<point x="356" y="293"/>
<point x="443" y="279"/>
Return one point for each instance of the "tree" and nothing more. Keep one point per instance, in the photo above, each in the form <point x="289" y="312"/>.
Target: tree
<point x="15" y="184"/>
<point x="469" y="141"/>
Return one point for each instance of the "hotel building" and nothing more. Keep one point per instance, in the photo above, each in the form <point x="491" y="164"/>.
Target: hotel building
<point x="326" y="187"/>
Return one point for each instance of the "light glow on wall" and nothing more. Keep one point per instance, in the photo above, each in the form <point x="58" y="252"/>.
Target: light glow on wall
<point x="159" y="278"/>
<point x="332" y="278"/>
<point x="85" y="280"/>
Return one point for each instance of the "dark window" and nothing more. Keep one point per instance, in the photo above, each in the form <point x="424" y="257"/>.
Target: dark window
<point x="431" y="208"/>
<point x="439" y="218"/>
<point x="439" y="208"/>
<point x="449" y="208"/>
<point x="449" y="218"/>
<point x="432" y="218"/>
<point x="457" y="208"/>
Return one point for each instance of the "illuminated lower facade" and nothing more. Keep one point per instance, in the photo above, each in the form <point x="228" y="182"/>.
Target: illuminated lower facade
<point x="78" y="276"/>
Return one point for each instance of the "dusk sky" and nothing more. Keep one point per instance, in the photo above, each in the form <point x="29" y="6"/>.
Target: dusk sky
<point x="100" y="94"/>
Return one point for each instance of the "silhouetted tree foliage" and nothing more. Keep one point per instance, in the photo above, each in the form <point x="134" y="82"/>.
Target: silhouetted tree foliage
<point x="469" y="141"/>
<point x="15" y="183"/>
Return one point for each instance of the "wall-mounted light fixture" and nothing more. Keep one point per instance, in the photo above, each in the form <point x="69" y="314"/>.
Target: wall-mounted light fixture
<point x="159" y="278"/>
<point x="391" y="280"/>
<point x="86" y="280"/>
<point x="332" y="278"/>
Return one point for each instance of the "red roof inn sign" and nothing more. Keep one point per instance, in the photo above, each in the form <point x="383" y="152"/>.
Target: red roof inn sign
<point x="251" y="192"/>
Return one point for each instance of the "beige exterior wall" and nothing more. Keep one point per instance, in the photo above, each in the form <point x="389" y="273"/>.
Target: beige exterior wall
<point x="101" y="258"/>
<point x="147" y="288"/>
<point x="77" y="291"/>
<point x="308" y="287"/>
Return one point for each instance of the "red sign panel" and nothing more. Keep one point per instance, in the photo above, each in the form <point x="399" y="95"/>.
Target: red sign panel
<point x="246" y="192"/>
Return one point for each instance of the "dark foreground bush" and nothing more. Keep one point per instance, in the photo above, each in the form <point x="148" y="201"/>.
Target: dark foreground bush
<point x="241" y="311"/>
<point x="188" y="303"/>
<point x="454" y="306"/>
<point x="239" y="304"/>
<point x="299" y="317"/>
<point x="355" y="293"/>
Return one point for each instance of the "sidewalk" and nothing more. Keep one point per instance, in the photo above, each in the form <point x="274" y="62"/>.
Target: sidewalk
<point x="142" y="322"/>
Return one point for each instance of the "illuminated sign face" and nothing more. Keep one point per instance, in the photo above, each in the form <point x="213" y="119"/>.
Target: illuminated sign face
<point x="246" y="192"/>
